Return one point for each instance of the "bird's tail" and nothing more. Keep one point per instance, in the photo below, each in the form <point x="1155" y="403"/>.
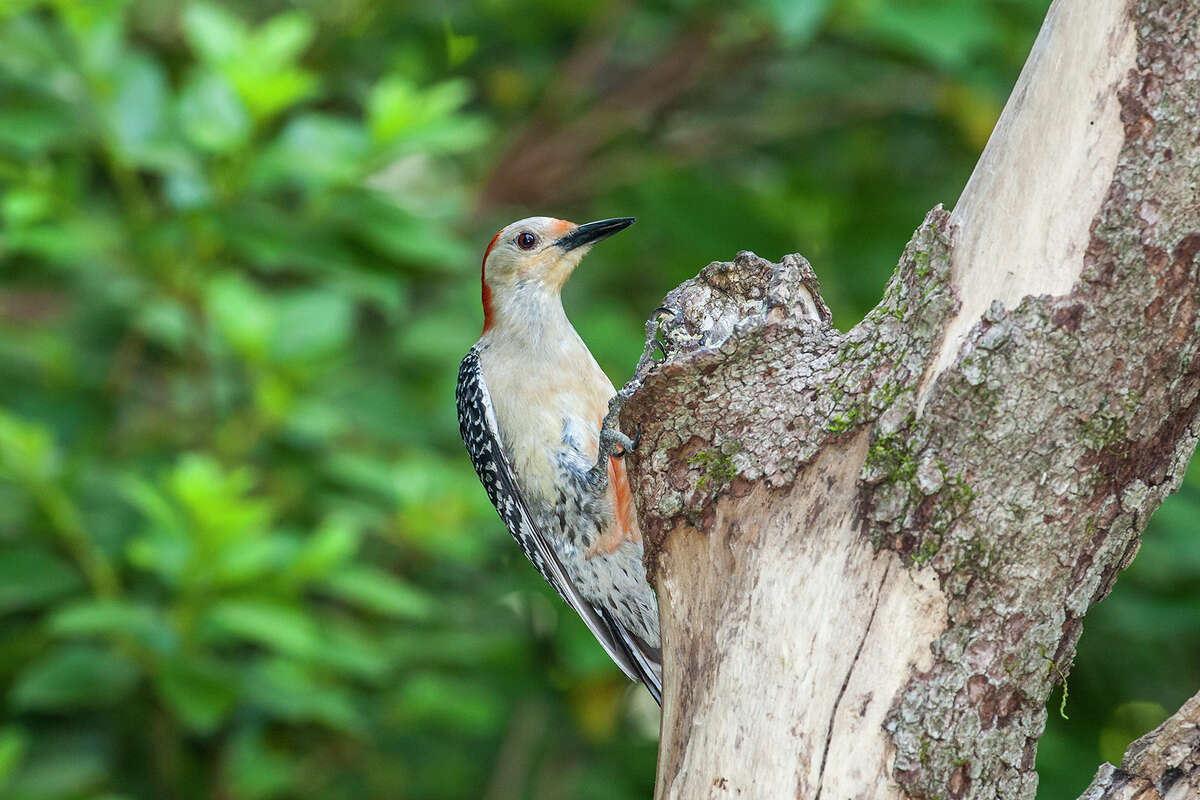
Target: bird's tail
<point x="643" y="663"/>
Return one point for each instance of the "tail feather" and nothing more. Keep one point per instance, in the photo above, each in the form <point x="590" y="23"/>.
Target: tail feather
<point x="646" y="660"/>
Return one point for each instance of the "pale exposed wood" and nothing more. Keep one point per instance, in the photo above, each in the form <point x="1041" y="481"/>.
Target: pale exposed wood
<point x="1023" y="222"/>
<point x="774" y="582"/>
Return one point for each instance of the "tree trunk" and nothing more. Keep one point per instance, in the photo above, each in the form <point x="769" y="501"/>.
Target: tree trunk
<point x="873" y="551"/>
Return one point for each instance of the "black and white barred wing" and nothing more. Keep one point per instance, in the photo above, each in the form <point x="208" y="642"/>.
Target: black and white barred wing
<point x="477" y="424"/>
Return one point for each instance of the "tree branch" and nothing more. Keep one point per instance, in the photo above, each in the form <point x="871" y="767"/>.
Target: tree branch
<point x="873" y="550"/>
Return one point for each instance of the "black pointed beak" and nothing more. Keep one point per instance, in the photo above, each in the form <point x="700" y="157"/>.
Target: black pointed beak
<point x="591" y="232"/>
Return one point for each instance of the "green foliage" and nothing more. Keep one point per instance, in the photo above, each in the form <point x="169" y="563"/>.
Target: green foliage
<point x="241" y="551"/>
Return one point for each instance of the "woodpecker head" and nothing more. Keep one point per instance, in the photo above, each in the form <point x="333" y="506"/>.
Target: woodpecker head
<point x="532" y="258"/>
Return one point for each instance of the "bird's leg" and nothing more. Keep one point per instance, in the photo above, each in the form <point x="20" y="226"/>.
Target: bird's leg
<point x="616" y="437"/>
<point x="611" y="438"/>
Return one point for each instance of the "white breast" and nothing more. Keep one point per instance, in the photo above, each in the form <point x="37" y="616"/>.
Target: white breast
<point x="538" y="388"/>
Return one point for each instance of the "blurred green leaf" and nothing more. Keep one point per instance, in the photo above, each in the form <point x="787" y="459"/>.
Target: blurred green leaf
<point x="265" y="73"/>
<point x="199" y="690"/>
<point x="114" y="618"/>
<point x="944" y="33"/>
<point x="64" y="765"/>
<point x="459" y="48"/>
<point x="13" y="744"/>
<point x="269" y="623"/>
<point x="364" y="472"/>
<point x="70" y="242"/>
<point x="375" y="590"/>
<point x="32" y="126"/>
<point x="330" y="546"/>
<point x="31" y="577"/>
<point x="27" y="452"/>
<point x="242" y="314"/>
<point x="797" y="20"/>
<point x="96" y="30"/>
<point x="400" y="115"/>
<point x="20" y="207"/>
<point x="444" y="702"/>
<point x="164" y="547"/>
<point x="213" y="32"/>
<point x="74" y="676"/>
<point x="283" y="38"/>
<point x="315" y="150"/>
<point x="434" y="503"/>
<point x="186" y="188"/>
<point x="211" y="114"/>
<point x="454" y="648"/>
<point x="350" y="650"/>
<point x="288" y="690"/>
<point x="248" y="562"/>
<point x="137" y="110"/>
<point x="165" y="322"/>
<point x="311" y="325"/>
<point x="204" y="528"/>
<point x="397" y="233"/>
<point x="266" y="95"/>
<point x="14" y="7"/>
<point x="259" y="771"/>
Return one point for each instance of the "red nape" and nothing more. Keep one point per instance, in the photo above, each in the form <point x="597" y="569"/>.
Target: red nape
<point x="486" y="292"/>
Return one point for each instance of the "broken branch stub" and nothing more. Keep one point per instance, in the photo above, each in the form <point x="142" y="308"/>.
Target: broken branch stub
<point x="756" y="379"/>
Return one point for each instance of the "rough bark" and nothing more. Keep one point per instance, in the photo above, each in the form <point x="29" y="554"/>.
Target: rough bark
<point x="873" y="551"/>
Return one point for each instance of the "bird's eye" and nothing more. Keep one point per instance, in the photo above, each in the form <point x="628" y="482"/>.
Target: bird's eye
<point x="526" y="240"/>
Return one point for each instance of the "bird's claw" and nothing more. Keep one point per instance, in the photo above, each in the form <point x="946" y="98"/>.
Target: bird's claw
<point x="656" y="343"/>
<point x="626" y="443"/>
<point x="610" y="439"/>
<point x="674" y="312"/>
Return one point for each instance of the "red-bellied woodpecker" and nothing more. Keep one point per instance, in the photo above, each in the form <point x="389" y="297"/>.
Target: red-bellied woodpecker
<point x="531" y="406"/>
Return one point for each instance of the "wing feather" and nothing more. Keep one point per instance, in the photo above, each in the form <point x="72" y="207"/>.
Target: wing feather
<point x="480" y="432"/>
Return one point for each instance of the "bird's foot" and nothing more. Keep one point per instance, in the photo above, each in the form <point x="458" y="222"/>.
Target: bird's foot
<point x="611" y="438"/>
<point x="615" y="437"/>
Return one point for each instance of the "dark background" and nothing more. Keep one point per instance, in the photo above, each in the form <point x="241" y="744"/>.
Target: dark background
<point x="242" y="553"/>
